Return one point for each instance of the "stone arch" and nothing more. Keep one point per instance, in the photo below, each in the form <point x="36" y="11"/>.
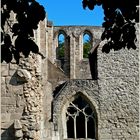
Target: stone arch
<point x="59" y="31"/>
<point x="66" y="45"/>
<point x="63" y="52"/>
<point x="56" y="37"/>
<point x="61" y="107"/>
<point x="87" y="31"/>
<point x="81" y="40"/>
<point x="87" y="43"/>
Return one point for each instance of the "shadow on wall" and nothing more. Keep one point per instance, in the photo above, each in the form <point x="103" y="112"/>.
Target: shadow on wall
<point x="14" y="80"/>
<point x="58" y="89"/>
<point x="20" y="77"/>
<point x="8" y="133"/>
<point x="93" y="63"/>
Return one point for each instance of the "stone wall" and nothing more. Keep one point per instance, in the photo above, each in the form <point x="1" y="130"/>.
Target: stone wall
<point x="118" y="86"/>
<point x="79" y="67"/>
<point x="23" y="92"/>
<point x="114" y="95"/>
<point x="12" y="100"/>
<point x="20" y="99"/>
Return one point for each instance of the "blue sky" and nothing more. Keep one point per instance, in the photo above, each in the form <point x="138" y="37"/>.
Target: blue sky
<point x="71" y="12"/>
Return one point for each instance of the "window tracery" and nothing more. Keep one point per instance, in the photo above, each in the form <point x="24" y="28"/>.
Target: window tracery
<point x="80" y="119"/>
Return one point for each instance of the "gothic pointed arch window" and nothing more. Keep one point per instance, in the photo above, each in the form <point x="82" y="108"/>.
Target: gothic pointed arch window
<point x="87" y="43"/>
<point x="81" y="121"/>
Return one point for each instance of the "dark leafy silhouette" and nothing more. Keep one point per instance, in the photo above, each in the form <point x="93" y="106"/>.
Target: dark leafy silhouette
<point x="119" y="22"/>
<point x="28" y="15"/>
<point x="6" y="49"/>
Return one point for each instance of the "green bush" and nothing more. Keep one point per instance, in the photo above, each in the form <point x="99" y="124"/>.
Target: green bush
<point x="86" y="48"/>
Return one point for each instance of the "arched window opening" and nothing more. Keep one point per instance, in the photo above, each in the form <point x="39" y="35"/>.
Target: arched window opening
<point x="87" y="44"/>
<point x="60" y="50"/>
<point x="61" y="41"/>
<point x="63" y="52"/>
<point x="80" y="120"/>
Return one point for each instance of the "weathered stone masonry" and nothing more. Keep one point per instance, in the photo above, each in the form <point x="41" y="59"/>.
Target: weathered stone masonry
<point x="37" y="93"/>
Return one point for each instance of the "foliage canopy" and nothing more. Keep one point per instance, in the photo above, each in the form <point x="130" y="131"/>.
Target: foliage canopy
<point x="120" y="17"/>
<point x="28" y="14"/>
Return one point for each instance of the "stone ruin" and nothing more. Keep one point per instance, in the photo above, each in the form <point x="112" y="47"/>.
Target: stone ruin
<point x="74" y="99"/>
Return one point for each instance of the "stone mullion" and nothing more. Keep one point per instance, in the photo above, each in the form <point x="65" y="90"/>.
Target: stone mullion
<point x="81" y="47"/>
<point x="72" y="57"/>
